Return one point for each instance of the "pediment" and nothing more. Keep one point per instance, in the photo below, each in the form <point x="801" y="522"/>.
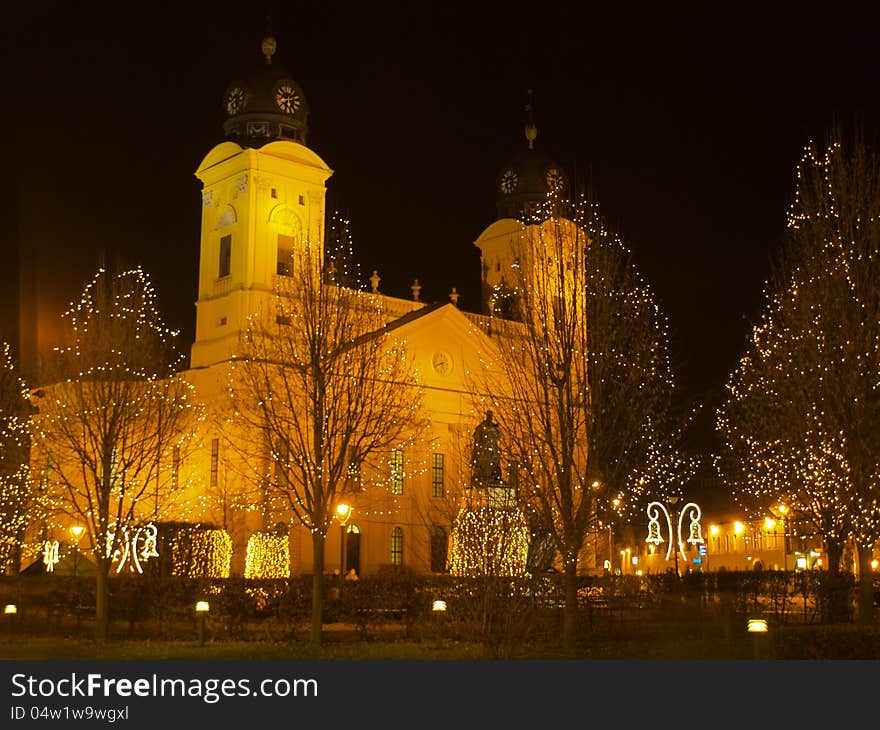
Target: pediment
<point x="447" y="346"/>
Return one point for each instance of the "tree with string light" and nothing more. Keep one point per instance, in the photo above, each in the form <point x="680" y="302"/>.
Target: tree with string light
<point x="801" y="421"/>
<point x="114" y="417"/>
<point x="322" y="387"/>
<point x="18" y="498"/>
<point x="581" y="384"/>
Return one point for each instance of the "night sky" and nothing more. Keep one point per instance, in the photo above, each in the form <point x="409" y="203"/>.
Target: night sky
<point x="688" y="120"/>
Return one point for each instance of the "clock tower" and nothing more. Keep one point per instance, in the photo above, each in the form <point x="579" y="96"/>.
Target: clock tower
<point x="263" y="196"/>
<point x="529" y="189"/>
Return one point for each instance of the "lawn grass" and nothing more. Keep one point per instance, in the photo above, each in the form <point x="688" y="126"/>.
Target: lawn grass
<point x="50" y="648"/>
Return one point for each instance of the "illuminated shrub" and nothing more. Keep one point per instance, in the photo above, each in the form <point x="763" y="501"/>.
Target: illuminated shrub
<point x="489" y="541"/>
<point x="196" y="551"/>
<point x="268" y="556"/>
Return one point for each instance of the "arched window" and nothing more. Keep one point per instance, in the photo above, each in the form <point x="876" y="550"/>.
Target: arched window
<point x="397" y="546"/>
<point x="353" y="549"/>
<point x="288" y="229"/>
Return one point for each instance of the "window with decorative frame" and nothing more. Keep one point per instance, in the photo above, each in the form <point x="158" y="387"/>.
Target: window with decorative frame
<point x="215" y="462"/>
<point x="284" y="266"/>
<point x="225" y="263"/>
<point x="438" y="475"/>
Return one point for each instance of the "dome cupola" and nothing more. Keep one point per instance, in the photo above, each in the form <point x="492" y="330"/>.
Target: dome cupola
<point x="269" y="105"/>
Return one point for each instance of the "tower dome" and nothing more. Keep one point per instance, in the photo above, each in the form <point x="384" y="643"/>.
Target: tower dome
<point x="525" y="182"/>
<point x="267" y="106"/>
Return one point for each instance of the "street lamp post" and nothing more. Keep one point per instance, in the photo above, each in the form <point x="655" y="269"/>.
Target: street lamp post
<point x="76" y="532"/>
<point x="783" y="511"/>
<point x="343" y="513"/>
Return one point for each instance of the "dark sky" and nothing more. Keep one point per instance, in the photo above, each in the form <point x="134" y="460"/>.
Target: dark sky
<point x="687" y="118"/>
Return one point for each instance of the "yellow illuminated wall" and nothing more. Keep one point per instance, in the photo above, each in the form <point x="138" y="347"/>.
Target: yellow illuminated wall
<point x="249" y="198"/>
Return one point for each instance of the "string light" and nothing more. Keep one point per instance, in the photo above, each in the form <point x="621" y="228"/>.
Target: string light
<point x="200" y="551"/>
<point x="489" y="541"/>
<point x="115" y="414"/>
<point x="581" y="380"/>
<point x="268" y="556"/>
<point x="797" y="425"/>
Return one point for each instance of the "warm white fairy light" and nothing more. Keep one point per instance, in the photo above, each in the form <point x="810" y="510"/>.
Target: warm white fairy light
<point x="200" y="551"/>
<point x="486" y="541"/>
<point x="114" y="417"/>
<point x="268" y="556"/>
<point x="22" y="501"/>
<point x="581" y="382"/>
<point x="798" y="426"/>
<point x="321" y="387"/>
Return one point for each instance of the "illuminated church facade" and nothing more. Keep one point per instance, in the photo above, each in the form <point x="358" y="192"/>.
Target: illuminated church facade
<point x="263" y="193"/>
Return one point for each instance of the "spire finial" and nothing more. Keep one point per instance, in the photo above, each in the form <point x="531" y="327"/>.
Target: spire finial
<point x="416" y="288"/>
<point x="531" y="129"/>
<point x="269" y="47"/>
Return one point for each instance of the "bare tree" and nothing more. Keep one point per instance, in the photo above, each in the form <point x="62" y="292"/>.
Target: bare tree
<point x="802" y="416"/>
<point x="581" y="385"/>
<point x="113" y="417"/>
<point x="322" y="387"/>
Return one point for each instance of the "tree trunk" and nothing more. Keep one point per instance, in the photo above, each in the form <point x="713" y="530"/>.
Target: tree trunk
<point x="102" y="614"/>
<point x="834" y="593"/>
<point x="317" y="587"/>
<point x="569" y="621"/>
<point x="835" y="553"/>
<point x="866" y="586"/>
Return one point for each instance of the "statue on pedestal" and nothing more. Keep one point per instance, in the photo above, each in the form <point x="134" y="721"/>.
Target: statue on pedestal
<point x="486" y="455"/>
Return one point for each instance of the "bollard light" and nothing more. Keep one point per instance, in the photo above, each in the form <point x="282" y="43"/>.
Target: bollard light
<point x="10" y="608"/>
<point x="202" y="609"/>
<point x="439" y="605"/>
<point x="757" y="626"/>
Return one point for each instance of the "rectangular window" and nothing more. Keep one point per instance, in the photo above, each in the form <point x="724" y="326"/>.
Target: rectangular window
<point x="225" y="267"/>
<point x="397" y="546"/>
<point x="215" y="461"/>
<point x="285" y="255"/>
<point x="396" y="471"/>
<point x="438" y="476"/>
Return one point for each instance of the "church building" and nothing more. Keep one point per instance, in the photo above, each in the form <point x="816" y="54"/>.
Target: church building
<point x="262" y="200"/>
<point x="263" y="193"/>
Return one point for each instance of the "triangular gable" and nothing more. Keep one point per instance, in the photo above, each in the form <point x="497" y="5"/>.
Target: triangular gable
<point x="447" y="347"/>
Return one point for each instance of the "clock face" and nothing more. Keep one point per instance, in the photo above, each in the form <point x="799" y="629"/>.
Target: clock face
<point x="234" y="100"/>
<point x="442" y="362"/>
<point x="555" y="180"/>
<point x="508" y="182"/>
<point x="287" y="99"/>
